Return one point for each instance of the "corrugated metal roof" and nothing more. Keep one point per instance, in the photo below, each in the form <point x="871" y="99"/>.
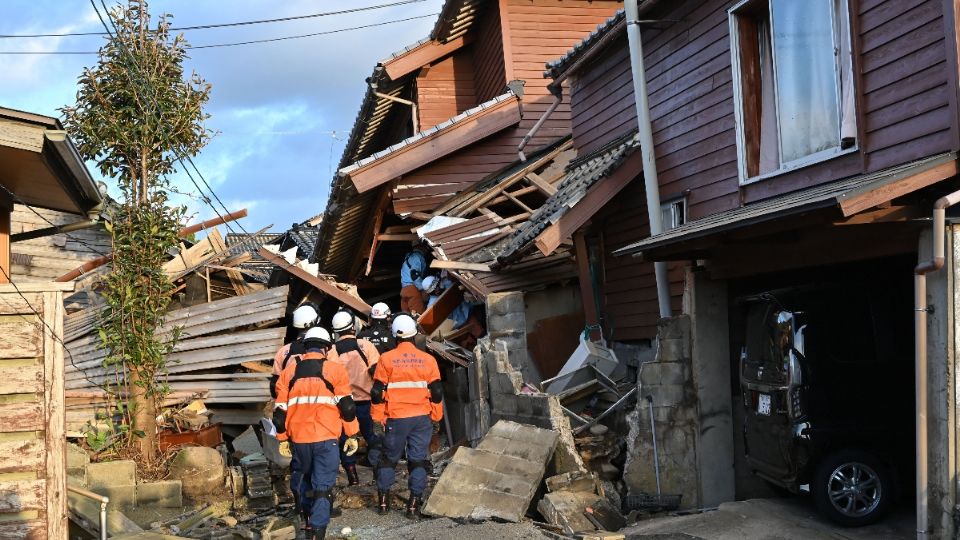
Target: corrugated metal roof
<point x="581" y="174"/>
<point x="558" y="66"/>
<point x="428" y="132"/>
<point x="813" y="198"/>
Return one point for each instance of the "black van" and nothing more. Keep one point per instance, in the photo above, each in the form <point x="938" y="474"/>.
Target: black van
<point x="826" y="375"/>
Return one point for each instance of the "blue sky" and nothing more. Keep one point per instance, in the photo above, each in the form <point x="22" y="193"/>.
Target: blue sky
<point x="281" y="109"/>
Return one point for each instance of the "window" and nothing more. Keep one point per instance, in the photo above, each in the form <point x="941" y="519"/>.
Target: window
<point x="673" y="213"/>
<point x="793" y="83"/>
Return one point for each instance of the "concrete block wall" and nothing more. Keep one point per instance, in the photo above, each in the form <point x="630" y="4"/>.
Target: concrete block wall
<point x="507" y="323"/>
<point x="668" y="380"/>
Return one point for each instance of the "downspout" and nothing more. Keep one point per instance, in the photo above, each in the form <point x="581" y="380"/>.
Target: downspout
<point x="920" y="332"/>
<point x="647" y="152"/>
<point x="557" y="92"/>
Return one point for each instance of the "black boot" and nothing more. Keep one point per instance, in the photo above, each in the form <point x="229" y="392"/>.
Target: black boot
<point x="318" y="534"/>
<point x="353" y="479"/>
<point x="383" y="502"/>
<point x="414" y="505"/>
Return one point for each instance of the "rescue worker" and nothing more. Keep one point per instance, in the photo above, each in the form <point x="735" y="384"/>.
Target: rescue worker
<point x="412" y="272"/>
<point x="313" y="408"/>
<point x="431" y="290"/>
<point x="379" y="332"/>
<point x="306" y="316"/>
<point x="408" y="405"/>
<point x="359" y="357"/>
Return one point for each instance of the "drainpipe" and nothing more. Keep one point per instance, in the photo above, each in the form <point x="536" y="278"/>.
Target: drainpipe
<point x="557" y="98"/>
<point x="413" y="105"/>
<point x="920" y="331"/>
<point x="646" y="147"/>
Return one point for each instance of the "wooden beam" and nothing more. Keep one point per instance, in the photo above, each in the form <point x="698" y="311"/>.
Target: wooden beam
<point x="882" y="215"/>
<point x="410" y="237"/>
<point x="436" y="145"/>
<point x="587" y="292"/>
<point x="599" y="195"/>
<point x="326" y="287"/>
<point x="858" y="203"/>
<point x="433" y="317"/>
<point x="5" y="245"/>
<point x="422" y="55"/>
<point x="371" y="233"/>
<point x="546" y="187"/>
<point x="457" y="265"/>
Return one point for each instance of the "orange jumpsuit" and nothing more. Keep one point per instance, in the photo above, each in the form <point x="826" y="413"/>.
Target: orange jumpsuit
<point x="311" y="409"/>
<point x="406" y="371"/>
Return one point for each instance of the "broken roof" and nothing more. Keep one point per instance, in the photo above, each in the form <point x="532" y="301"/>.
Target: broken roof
<point x="581" y="175"/>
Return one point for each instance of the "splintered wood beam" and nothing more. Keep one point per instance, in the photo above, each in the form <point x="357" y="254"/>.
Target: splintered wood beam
<point x="597" y="196"/>
<point x="328" y="288"/>
<point x="379" y="210"/>
<point x="898" y="188"/>
<point x="546" y="187"/>
<point x="458" y="265"/>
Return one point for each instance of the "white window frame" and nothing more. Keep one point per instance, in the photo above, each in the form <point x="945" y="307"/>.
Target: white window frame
<point x="800" y="163"/>
<point x="669" y="204"/>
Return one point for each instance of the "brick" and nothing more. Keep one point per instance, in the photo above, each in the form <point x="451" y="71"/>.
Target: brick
<point x="112" y="473"/>
<point x="166" y="494"/>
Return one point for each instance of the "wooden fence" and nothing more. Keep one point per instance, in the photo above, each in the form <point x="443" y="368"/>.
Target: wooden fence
<point x="32" y="440"/>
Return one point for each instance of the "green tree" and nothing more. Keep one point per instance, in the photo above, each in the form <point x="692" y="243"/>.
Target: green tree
<point x="135" y="114"/>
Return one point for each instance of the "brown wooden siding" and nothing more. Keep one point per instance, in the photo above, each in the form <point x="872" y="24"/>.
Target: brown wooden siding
<point x="446" y="89"/>
<point x="538" y="31"/>
<point x="905" y="100"/>
<point x="490" y="74"/>
<point x="628" y="287"/>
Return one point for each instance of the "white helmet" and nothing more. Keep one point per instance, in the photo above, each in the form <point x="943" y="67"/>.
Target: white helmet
<point x="342" y="322"/>
<point x="305" y="317"/>
<point x="317" y="333"/>
<point x="404" y="326"/>
<point x="430" y="283"/>
<point x="379" y="311"/>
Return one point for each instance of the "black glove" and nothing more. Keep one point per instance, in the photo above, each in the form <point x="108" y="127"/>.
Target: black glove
<point x="436" y="427"/>
<point x="378" y="429"/>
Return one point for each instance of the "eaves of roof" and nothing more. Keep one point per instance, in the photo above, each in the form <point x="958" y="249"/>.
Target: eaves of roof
<point x="614" y="25"/>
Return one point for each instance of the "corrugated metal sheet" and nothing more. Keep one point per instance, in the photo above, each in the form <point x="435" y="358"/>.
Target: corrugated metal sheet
<point x="817" y="197"/>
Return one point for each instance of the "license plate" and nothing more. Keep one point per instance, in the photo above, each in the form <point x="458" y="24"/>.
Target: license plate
<point x="763" y="405"/>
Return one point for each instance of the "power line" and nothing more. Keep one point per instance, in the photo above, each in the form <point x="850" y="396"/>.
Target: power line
<point x="225" y="25"/>
<point x="252" y="42"/>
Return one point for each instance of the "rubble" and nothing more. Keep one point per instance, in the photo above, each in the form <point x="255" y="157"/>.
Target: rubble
<point x="200" y="469"/>
<point x="498" y="479"/>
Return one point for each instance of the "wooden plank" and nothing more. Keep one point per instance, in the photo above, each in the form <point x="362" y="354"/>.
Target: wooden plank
<point x="22" y="416"/>
<point x="886" y="193"/>
<point x="257" y="366"/>
<point x="22" y="451"/>
<point x="433" y="317"/>
<point x="396" y="237"/>
<point x="21" y="495"/>
<point x="587" y="291"/>
<point x="547" y="188"/>
<point x="326" y="287"/>
<point x="55" y="417"/>
<point x="20" y="379"/>
<point x="19" y="336"/>
<point x="32" y="529"/>
<point x="597" y="196"/>
<point x="436" y="145"/>
<point x="458" y="265"/>
<point x="422" y="55"/>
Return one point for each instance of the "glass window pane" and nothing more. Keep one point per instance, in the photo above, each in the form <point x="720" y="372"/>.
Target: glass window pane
<point x="806" y="76"/>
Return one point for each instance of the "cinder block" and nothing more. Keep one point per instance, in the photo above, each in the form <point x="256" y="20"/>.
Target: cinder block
<point x="673" y="350"/>
<point x="573" y="481"/>
<point x="650" y="375"/>
<point x="112" y="473"/>
<point x="667" y="395"/>
<point x="120" y="496"/>
<point x="504" y="303"/>
<point x="673" y="327"/>
<point x="674" y="373"/>
<point x="166" y="494"/>
<point x="508" y="322"/>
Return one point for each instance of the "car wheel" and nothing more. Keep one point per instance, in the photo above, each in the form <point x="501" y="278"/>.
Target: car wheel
<point x="853" y="488"/>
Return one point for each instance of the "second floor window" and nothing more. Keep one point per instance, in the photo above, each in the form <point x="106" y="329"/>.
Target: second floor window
<point x="793" y="81"/>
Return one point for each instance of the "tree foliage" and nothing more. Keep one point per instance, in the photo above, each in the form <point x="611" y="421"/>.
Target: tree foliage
<point x="135" y="115"/>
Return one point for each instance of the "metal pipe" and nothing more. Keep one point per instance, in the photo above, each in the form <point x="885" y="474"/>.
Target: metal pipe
<point x="413" y="106"/>
<point x="557" y="99"/>
<point x="920" y="351"/>
<point x="647" y="151"/>
<point x="104" y="501"/>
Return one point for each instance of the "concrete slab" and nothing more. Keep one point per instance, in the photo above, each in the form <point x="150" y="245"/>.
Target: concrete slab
<point x="496" y="480"/>
<point x="166" y="494"/>
<point x="769" y="518"/>
<point x="112" y="473"/>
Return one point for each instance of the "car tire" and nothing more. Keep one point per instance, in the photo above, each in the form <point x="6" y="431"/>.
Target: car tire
<point x="853" y="488"/>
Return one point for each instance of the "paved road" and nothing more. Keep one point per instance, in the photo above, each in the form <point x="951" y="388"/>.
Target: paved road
<point x="767" y="519"/>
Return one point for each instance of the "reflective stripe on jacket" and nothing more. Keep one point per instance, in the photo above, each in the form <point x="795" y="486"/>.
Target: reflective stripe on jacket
<point x="312" y="413"/>
<point x="407" y="373"/>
